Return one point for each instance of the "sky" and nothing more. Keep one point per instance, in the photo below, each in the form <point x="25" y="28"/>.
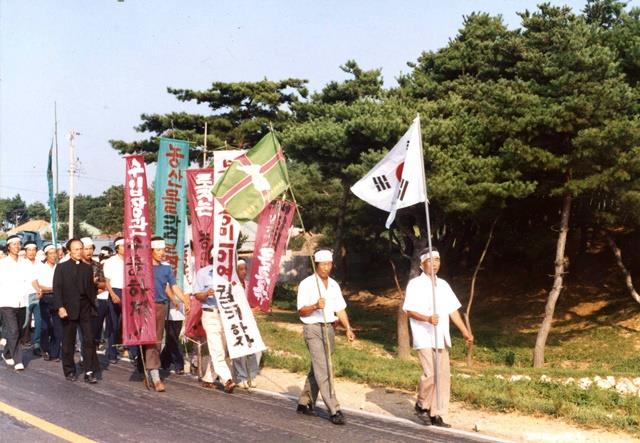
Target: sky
<point x="105" y="62"/>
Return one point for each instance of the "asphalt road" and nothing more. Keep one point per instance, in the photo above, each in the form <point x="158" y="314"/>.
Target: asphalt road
<point x="120" y="409"/>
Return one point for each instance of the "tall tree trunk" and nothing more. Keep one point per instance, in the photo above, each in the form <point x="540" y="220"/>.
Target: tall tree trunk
<point x="545" y="327"/>
<point x="339" y="233"/>
<point x="404" y="342"/>
<point x="627" y="275"/>
<point x="467" y="314"/>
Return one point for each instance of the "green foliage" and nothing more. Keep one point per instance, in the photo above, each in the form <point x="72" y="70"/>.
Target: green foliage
<point x="241" y="113"/>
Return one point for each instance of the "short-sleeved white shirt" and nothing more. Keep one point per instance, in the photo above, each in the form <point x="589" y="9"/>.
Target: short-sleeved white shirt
<point x="44" y="274"/>
<point x="114" y="270"/>
<point x="15" y="282"/>
<point x="419" y="298"/>
<point x="308" y="295"/>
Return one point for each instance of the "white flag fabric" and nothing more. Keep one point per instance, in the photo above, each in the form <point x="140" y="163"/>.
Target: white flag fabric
<point x="397" y="181"/>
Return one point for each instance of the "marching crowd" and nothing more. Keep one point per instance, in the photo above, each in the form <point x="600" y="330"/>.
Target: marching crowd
<point x="75" y="305"/>
<point x="60" y="300"/>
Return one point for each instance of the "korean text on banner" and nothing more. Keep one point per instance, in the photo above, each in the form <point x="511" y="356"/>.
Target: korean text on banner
<point x="138" y="309"/>
<point x="201" y="199"/>
<point x="171" y="200"/>
<point x="271" y="241"/>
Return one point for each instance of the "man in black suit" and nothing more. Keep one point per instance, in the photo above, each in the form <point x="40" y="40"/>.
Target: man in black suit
<point x="74" y="297"/>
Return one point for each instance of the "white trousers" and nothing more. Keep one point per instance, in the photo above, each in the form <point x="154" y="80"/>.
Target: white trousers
<point x="217" y="348"/>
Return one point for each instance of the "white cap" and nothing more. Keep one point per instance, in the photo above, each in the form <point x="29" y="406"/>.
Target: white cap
<point x="158" y="244"/>
<point x="426" y="255"/>
<point x="323" y="255"/>
<point x="86" y="241"/>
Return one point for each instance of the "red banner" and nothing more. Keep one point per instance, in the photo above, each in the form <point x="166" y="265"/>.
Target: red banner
<point x="138" y="308"/>
<point x="199" y="183"/>
<point x="271" y="240"/>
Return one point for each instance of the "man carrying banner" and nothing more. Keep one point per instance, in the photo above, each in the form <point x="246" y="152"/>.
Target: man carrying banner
<point x="74" y="297"/>
<point x="320" y="303"/>
<point x="427" y="327"/>
<point x="204" y="291"/>
<point x="164" y="283"/>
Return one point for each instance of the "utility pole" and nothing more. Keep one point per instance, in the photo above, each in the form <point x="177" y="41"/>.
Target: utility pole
<point x="72" y="175"/>
<point x="204" y="162"/>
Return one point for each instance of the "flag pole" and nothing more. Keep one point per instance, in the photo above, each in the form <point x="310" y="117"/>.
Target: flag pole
<point x="432" y="276"/>
<point x="313" y="267"/>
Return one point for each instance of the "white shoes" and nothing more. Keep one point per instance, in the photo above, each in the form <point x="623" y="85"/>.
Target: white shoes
<point x="8" y="361"/>
<point x="3" y="342"/>
<point x="19" y="367"/>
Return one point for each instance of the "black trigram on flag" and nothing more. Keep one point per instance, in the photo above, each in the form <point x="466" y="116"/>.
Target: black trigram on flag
<point x="381" y="183"/>
<point x="402" y="189"/>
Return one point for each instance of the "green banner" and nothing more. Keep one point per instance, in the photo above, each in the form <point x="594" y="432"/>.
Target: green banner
<point x="52" y="200"/>
<point x="171" y="200"/>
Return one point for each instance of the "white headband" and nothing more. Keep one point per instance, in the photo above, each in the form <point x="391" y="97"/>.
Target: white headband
<point x="48" y="248"/>
<point x="86" y="241"/>
<point x="119" y="242"/>
<point x="31" y="246"/>
<point x="158" y="244"/>
<point x="13" y="240"/>
<point x="323" y="256"/>
<point x="241" y="262"/>
<point x="426" y="256"/>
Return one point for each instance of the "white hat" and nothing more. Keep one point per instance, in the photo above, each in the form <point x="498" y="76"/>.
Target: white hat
<point x="158" y="244"/>
<point x="86" y="241"/>
<point x="323" y="255"/>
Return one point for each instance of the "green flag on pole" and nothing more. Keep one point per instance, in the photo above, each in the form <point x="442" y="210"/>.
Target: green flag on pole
<point x="52" y="200"/>
<point x="253" y="180"/>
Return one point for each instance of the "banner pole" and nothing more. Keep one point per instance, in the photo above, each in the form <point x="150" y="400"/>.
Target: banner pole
<point x="433" y="277"/>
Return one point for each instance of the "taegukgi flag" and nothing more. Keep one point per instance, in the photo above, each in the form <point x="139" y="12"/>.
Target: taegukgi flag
<point x="397" y="181"/>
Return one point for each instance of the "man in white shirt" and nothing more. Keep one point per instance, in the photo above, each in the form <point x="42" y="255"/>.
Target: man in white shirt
<point x="113" y="269"/>
<point x="320" y="304"/>
<point x="51" y="326"/>
<point x="33" y="308"/>
<point x="429" y="325"/>
<point x="15" y="286"/>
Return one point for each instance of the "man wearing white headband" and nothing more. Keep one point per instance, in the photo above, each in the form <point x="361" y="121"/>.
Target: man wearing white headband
<point x="320" y="304"/>
<point x="15" y="285"/>
<point x="51" y="326"/>
<point x="427" y="325"/>
<point x="33" y="308"/>
<point x="113" y="270"/>
<point x="164" y="284"/>
<point x="203" y="290"/>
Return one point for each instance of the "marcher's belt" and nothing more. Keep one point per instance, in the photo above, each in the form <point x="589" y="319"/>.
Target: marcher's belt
<point x="209" y="309"/>
<point x="164" y="302"/>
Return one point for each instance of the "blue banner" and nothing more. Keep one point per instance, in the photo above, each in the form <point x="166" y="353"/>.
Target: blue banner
<point x="171" y="201"/>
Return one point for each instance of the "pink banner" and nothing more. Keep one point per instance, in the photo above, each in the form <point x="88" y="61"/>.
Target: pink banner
<point x="271" y="240"/>
<point x="199" y="183"/>
<point x="138" y="309"/>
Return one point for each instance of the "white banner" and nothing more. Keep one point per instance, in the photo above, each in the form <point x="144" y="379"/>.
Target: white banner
<point x="240" y="327"/>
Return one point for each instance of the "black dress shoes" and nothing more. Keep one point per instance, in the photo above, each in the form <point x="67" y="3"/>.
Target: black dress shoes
<point x="437" y="421"/>
<point x="305" y="409"/>
<point x="71" y="377"/>
<point x="90" y="378"/>
<point x="337" y="418"/>
<point x="423" y="415"/>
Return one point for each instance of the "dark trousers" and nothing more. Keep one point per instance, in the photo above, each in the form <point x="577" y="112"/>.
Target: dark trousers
<point x="172" y="352"/>
<point x="12" y="322"/>
<point x="50" y="327"/>
<point x="115" y="316"/>
<point x="69" y="330"/>
<point x="98" y="322"/>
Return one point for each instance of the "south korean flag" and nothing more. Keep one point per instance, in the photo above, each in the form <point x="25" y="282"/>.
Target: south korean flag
<point x="397" y="181"/>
